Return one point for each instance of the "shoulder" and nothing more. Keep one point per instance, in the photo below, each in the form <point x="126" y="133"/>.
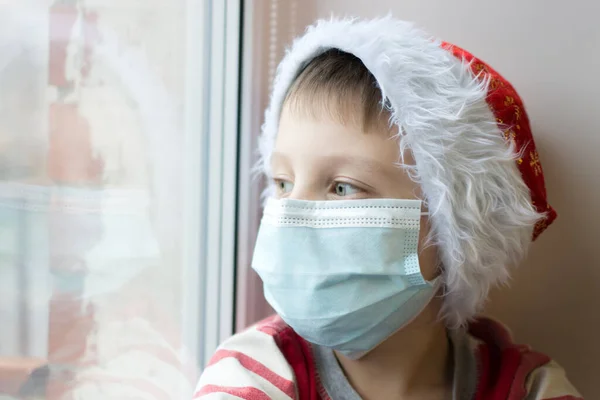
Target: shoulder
<point x="254" y="364"/>
<point x="514" y="371"/>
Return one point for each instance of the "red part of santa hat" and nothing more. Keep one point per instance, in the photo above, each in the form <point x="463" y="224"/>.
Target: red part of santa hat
<point x="512" y="119"/>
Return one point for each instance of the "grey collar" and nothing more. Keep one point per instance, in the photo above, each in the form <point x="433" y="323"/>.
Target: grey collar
<point x="337" y="386"/>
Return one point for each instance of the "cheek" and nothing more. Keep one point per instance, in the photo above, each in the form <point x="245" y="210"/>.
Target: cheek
<point x="428" y="254"/>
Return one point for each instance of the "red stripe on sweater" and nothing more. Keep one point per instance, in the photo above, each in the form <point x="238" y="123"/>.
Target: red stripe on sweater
<point x="272" y="325"/>
<point x="510" y="360"/>
<point x="530" y="361"/>
<point x="497" y="370"/>
<point x="285" y="385"/>
<point x="246" y="393"/>
<point x="298" y="354"/>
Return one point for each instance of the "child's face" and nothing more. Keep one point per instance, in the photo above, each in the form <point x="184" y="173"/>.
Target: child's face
<point x="321" y="159"/>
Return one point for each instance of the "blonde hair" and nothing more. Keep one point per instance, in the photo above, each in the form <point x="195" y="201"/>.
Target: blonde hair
<point x="337" y="84"/>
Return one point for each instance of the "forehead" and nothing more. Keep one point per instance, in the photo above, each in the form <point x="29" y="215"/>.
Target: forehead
<point x="307" y="137"/>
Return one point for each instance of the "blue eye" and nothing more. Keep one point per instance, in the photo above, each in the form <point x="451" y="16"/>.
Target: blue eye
<point x="345" y="189"/>
<point x="284" y="187"/>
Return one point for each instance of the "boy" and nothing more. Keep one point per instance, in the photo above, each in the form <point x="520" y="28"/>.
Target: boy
<point x="405" y="183"/>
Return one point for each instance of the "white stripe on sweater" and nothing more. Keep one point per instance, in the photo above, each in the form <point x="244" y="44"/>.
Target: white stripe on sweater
<point x="548" y="382"/>
<point x="228" y="372"/>
<point x="260" y="351"/>
<point x="262" y="347"/>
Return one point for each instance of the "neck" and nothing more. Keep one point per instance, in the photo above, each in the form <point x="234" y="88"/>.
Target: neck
<point x="415" y="362"/>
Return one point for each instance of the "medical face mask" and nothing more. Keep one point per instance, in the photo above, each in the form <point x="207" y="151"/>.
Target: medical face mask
<point x="343" y="274"/>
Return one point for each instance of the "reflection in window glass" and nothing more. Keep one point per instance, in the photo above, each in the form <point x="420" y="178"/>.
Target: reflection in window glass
<point x="92" y="154"/>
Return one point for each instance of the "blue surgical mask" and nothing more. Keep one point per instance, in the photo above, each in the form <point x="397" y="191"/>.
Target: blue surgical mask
<point x="343" y="274"/>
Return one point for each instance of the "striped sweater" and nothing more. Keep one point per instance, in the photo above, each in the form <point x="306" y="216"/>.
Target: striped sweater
<point x="270" y="361"/>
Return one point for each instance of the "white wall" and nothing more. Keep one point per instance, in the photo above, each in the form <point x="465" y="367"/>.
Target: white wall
<point x="549" y="51"/>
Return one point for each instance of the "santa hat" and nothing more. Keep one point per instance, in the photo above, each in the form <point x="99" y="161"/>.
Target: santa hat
<point x="467" y="129"/>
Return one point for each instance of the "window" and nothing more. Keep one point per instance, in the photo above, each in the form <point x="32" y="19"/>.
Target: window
<point x="118" y="176"/>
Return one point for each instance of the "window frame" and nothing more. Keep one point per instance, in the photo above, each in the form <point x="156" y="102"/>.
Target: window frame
<point x="212" y="119"/>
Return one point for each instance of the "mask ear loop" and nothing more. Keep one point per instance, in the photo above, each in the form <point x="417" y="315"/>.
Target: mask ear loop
<point x="436" y="282"/>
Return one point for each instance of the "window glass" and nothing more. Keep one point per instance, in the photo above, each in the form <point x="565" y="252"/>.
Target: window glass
<point x="105" y="137"/>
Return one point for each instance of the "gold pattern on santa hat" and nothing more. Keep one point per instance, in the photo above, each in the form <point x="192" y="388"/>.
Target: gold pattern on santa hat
<point x="535" y="162"/>
<point x="517" y="112"/>
<point x="510" y="135"/>
<point x="480" y="67"/>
